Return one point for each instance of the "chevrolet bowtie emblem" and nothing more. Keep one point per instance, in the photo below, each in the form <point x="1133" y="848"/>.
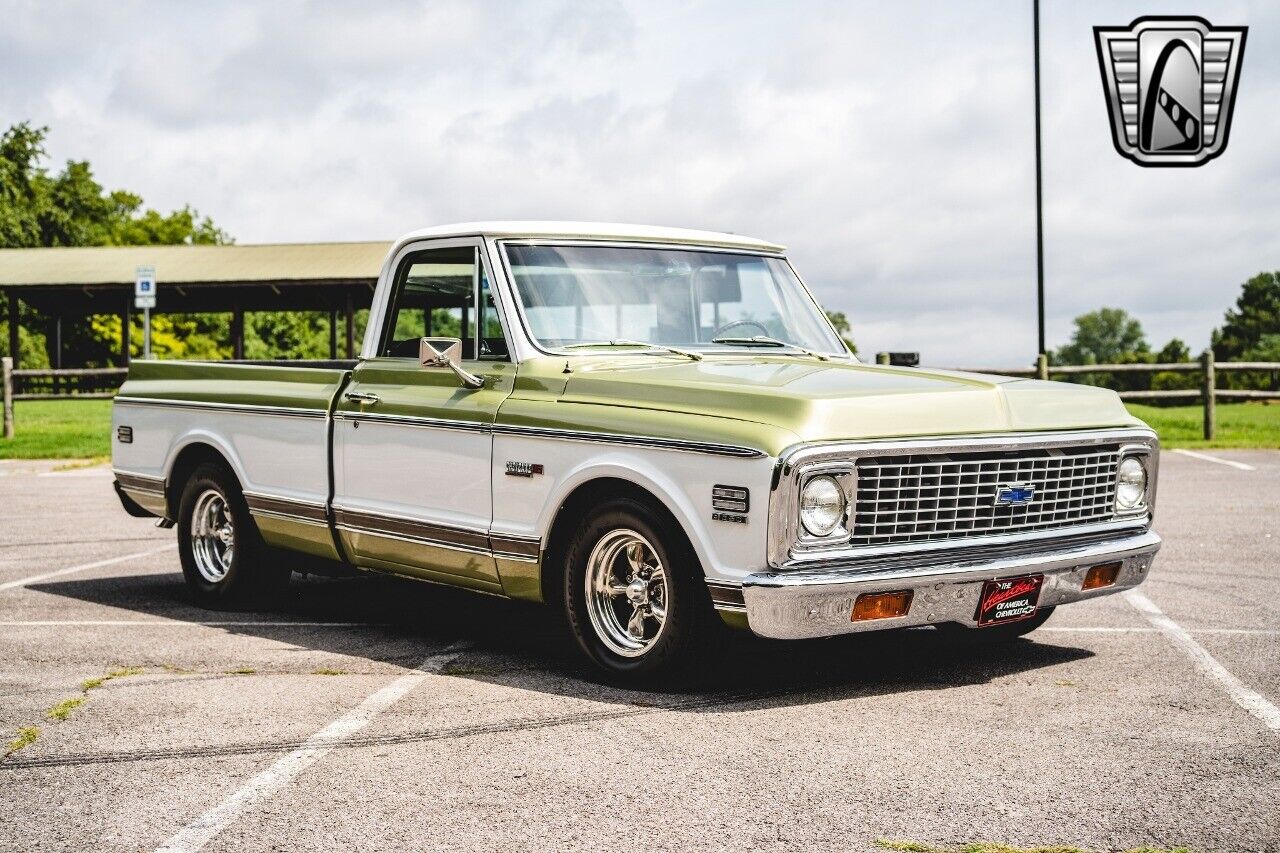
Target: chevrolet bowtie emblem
<point x="1170" y="84"/>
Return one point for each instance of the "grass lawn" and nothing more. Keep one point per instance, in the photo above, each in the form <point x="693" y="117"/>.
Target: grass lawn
<point x="81" y="429"/>
<point x="1239" y="424"/>
<point x="59" y="429"/>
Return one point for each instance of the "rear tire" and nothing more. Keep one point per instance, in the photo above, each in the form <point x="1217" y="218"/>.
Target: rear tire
<point x="224" y="560"/>
<point x="633" y="595"/>
<point x="993" y="635"/>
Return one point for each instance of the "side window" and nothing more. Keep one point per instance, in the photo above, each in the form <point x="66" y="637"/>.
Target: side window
<point x="435" y="295"/>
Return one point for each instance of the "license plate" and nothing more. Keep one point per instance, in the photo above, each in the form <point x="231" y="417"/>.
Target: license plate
<point x="1009" y="600"/>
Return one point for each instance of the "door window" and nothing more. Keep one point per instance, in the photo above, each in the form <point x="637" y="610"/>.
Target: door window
<point x="443" y="293"/>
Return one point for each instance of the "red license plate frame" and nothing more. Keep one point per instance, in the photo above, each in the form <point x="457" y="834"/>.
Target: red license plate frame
<point x="1009" y="600"/>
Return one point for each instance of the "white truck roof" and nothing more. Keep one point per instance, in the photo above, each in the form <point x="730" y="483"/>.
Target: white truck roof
<point x="594" y="231"/>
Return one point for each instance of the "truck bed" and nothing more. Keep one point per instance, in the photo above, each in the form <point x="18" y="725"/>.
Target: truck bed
<point x="270" y="419"/>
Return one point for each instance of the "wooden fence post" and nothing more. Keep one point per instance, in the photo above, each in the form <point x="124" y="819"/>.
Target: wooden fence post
<point x="1042" y="366"/>
<point x="1208" y="391"/>
<point x="882" y="358"/>
<point x="6" y="367"/>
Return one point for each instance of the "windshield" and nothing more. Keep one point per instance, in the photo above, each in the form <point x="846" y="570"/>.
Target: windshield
<point x="575" y="295"/>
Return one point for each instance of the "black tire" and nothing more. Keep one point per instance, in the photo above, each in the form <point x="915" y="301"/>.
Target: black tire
<point x="993" y="635"/>
<point x="251" y="578"/>
<point x="687" y="630"/>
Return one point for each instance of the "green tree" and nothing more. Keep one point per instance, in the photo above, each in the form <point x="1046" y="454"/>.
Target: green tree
<point x="70" y="208"/>
<point x="286" y="334"/>
<point x="1105" y="336"/>
<point x="841" y="323"/>
<point x="1256" y="315"/>
<point x="1250" y="332"/>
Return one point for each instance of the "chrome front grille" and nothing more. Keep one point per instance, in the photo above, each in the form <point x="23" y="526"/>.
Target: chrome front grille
<point x="924" y="497"/>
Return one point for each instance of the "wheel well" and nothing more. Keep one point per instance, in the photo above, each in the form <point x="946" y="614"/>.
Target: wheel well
<point x="189" y="459"/>
<point x="579" y="502"/>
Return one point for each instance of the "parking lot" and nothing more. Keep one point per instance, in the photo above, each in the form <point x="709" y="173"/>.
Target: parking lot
<point x="379" y="713"/>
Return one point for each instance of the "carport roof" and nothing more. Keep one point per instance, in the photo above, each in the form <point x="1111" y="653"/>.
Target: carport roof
<point x="177" y="265"/>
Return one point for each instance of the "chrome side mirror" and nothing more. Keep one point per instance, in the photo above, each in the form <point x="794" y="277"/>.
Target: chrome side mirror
<point x="447" y="353"/>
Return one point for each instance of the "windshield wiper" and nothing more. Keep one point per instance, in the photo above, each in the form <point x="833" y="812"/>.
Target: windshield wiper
<point x="766" y="341"/>
<point x="649" y="346"/>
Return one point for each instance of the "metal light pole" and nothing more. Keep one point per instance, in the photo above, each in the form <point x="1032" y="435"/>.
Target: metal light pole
<point x="1035" y="23"/>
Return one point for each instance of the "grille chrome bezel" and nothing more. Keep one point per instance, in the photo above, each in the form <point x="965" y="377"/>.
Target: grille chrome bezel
<point x="788" y="547"/>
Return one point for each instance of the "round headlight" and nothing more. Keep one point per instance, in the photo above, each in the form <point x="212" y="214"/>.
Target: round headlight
<point x="1131" y="484"/>
<point x="821" y="505"/>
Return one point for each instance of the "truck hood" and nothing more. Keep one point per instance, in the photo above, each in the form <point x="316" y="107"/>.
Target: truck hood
<point x="818" y="401"/>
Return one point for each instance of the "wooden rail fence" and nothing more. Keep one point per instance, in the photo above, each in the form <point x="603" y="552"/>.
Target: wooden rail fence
<point x="1208" y="392"/>
<point x="89" y="383"/>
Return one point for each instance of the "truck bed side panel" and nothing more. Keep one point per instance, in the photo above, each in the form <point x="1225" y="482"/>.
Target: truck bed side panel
<point x="271" y="424"/>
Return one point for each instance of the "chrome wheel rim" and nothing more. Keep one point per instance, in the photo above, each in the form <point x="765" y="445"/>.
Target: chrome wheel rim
<point x="212" y="536"/>
<point x="627" y="593"/>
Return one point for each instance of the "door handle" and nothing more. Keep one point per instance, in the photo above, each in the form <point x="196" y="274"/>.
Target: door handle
<point x="361" y="397"/>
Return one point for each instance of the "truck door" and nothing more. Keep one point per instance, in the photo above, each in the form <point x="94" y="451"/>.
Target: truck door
<point x="412" y="448"/>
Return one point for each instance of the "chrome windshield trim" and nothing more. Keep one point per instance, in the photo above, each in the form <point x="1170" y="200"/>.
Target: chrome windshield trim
<point x="784" y="524"/>
<point x="501" y="245"/>
<point x="211" y="406"/>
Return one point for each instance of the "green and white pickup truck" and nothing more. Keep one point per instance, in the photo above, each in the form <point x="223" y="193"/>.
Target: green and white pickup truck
<point x="654" y="430"/>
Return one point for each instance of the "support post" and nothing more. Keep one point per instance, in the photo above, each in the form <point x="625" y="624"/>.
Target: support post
<point x="1042" y="366"/>
<point x="146" y="333"/>
<point x="126" y="331"/>
<point x="14" y="344"/>
<point x="1210" y="385"/>
<point x="333" y="333"/>
<point x="57" y="355"/>
<point x="882" y="358"/>
<point x="1035" y="24"/>
<point x="6" y="368"/>
<point x="237" y="334"/>
<point x="351" y="328"/>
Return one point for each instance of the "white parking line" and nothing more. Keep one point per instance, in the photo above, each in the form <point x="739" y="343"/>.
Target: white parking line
<point x="177" y="623"/>
<point x="1241" y="694"/>
<point x="1207" y="458"/>
<point x="203" y="829"/>
<point x="1106" y="630"/>
<point x="85" y="567"/>
<point x="1087" y="629"/>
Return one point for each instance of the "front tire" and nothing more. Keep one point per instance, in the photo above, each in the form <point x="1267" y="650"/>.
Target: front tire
<point x="223" y="556"/>
<point x="632" y="594"/>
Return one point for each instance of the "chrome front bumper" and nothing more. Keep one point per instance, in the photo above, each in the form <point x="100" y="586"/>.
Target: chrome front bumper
<point x="818" y="602"/>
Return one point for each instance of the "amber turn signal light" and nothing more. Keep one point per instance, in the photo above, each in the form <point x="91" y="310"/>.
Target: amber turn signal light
<point x="881" y="605"/>
<point x="1100" y="576"/>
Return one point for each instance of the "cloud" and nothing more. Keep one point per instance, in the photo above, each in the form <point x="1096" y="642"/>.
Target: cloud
<point x="890" y="145"/>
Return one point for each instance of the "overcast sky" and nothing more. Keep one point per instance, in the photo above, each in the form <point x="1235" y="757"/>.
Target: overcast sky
<point x="889" y="144"/>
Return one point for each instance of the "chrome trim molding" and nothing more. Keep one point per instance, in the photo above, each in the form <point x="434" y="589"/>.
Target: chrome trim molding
<point x="210" y="406"/>
<point x="513" y="547"/>
<point x="412" y="421"/>
<point x="797" y="461"/>
<point x="141" y="483"/>
<point x="726" y="596"/>
<point x="819" y="602"/>
<point x="633" y="440"/>
<point x="557" y="434"/>
<point x="310" y="512"/>
<point x="504" y="546"/>
<point x="360" y="521"/>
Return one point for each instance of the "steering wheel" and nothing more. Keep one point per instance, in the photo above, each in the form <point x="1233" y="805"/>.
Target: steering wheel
<point x="733" y="324"/>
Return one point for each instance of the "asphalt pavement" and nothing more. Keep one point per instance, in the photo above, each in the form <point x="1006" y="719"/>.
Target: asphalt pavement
<point x="376" y="713"/>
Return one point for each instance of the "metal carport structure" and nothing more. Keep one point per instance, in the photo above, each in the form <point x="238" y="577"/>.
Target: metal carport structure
<point x="68" y="282"/>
